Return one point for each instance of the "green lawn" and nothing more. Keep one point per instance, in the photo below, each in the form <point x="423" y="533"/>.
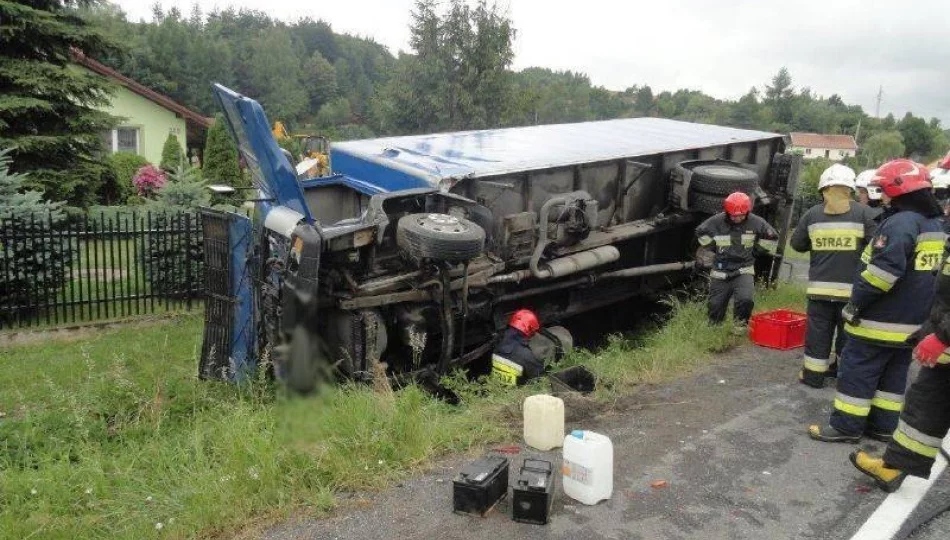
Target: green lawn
<point x="113" y="436"/>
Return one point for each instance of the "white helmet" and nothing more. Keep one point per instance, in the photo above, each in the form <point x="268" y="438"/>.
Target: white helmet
<point x="864" y="181"/>
<point x="837" y="175"/>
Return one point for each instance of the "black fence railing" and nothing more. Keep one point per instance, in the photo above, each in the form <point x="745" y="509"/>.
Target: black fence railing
<point x="74" y="270"/>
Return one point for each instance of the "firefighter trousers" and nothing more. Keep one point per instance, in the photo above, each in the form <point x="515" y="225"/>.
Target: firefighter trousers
<point x="825" y="334"/>
<point x="740" y="289"/>
<point x="871" y="382"/>
<point x="923" y="424"/>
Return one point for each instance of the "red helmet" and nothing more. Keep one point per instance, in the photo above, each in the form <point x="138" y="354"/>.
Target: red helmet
<point x="737" y="204"/>
<point x="525" y="321"/>
<point x="901" y="176"/>
<point x="945" y="163"/>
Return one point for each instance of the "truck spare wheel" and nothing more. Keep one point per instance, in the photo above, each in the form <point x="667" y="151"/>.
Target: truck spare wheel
<point x="718" y="179"/>
<point x="440" y="237"/>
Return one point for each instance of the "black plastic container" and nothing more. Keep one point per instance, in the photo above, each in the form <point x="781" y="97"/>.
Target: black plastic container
<point x="575" y="379"/>
<point x="480" y="485"/>
<point x="533" y="492"/>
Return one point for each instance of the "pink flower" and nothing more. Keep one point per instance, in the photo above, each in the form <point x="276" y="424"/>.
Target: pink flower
<point x="148" y="180"/>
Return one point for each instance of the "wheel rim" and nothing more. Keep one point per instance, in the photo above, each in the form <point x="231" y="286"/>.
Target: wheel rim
<point x="442" y="223"/>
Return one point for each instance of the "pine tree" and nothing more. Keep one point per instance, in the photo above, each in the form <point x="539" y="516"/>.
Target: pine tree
<point x="172" y="154"/>
<point x="221" y="164"/>
<point x="48" y="108"/>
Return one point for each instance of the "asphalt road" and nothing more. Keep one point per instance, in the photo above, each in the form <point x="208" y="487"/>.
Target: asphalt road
<point x="729" y="441"/>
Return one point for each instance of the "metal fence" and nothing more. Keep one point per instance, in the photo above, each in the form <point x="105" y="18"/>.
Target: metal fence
<point x="74" y="270"/>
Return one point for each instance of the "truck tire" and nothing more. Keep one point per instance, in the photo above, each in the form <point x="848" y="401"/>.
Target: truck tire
<point x="707" y="204"/>
<point x="719" y="179"/>
<point x="440" y="237"/>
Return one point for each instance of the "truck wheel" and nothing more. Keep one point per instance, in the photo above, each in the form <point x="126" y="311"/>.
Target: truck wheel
<point x="717" y="179"/>
<point x="440" y="236"/>
<point x="707" y="204"/>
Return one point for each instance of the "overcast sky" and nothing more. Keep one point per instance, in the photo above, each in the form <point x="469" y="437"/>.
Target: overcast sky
<point x="724" y="47"/>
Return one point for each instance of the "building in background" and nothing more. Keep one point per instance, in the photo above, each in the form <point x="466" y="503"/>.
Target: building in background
<point x="147" y="117"/>
<point x="818" y="145"/>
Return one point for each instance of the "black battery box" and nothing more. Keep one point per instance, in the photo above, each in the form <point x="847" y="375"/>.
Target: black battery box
<point x="480" y="485"/>
<point x="533" y="492"/>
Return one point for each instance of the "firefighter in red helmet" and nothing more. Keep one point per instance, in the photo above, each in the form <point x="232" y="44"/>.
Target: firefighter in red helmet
<point x="512" y="361"/>
<point x="890" y="299"/>
<point x="732" y="236"/>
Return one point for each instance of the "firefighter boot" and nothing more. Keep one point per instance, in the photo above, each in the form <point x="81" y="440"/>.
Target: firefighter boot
<point x="885" y="477"/>
<point x="826" y="433"/>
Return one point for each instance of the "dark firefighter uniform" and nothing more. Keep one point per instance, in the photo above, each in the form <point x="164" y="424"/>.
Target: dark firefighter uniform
<point x="890" y="299"/>
<point x="733" y="270"/>
<point x="926" y="417"/>
<point x="836" y="242"/>
<point x="512" y="361"/>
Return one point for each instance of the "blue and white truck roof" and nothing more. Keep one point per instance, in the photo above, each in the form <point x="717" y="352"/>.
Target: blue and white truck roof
<point x="395" y="163"/>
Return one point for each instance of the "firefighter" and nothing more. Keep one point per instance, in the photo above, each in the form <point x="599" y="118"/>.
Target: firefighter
<point x="835" y="233"/>
<point x="869" y="195"/>
<point x="512" y="361"/>
<point x="926" y="417"/>
<point x="889" y="300"/>
<point x="732" y="236"/>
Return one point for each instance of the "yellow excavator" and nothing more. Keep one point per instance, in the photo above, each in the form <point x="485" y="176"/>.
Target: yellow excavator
<point x="314" y="151"/>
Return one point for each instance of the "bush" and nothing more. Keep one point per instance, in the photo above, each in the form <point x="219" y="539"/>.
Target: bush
<point x="172" y="154"/>
<point x="148" y="180"/>
<point x="124" y="166"/>
<point x="35" y="257"/>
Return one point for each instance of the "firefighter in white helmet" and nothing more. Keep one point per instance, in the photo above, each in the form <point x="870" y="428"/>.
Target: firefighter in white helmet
<point x="835" y="233"/>
<point x="867" y="194"/>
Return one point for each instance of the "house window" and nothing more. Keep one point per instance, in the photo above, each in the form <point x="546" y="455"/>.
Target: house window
<point x="808" y="151"/>
<point x="827" y="153"/>
<point x="122" y="139"/>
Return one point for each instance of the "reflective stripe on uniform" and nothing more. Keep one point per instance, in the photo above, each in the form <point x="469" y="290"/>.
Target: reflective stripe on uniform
<point x="835" y="236"/>
<point x="769" y="245"/>
<point x="878" y="277"/>
<point x="888" y="401"/>
<point x="817" y="365"/>
<point x="946" y="267"/>
<point x="705" y="240"/>
<point x="852" y="405"/>
<point x="929" y="251"/>
<point x="504" y="370"/>
<point x="866" y="254"/>
<point x="829" y="288"/>
<point x="747" y="239"/>
<point x="881" y="331"/>
<point x="718" y="274"/>
<point x="915" y="441"/>
<point x="723" y="240"/>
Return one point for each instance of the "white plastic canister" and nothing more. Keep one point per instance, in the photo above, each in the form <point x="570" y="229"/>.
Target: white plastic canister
<point x="588" y="467"/>
<point x="543" y="421"/>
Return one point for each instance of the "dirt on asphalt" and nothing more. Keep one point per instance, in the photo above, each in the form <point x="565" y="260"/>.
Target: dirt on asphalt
<point x="729" y="440"/>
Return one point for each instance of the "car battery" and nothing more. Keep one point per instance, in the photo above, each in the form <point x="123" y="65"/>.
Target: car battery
<point x="480" y="485"/>
<point x="533" y="492"/>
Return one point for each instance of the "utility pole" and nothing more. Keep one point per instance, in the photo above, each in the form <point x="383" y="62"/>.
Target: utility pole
<point x="857" y="130"/>
<point x="877" y="109"/>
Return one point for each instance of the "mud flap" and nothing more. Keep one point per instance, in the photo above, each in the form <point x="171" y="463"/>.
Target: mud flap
<point x="228" y="350"/>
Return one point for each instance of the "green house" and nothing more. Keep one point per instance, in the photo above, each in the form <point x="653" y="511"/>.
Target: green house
<point x="147" y="117"/>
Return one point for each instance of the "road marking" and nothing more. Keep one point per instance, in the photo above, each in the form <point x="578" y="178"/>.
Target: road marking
<point x="888" y="519"/>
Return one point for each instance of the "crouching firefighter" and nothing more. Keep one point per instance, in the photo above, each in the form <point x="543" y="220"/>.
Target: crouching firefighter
<point x="835" y="233"/>
<point x="890" y="299"/>
<point x="925" y="419"/>
<point x="733" y="236"/>
<point x="512" y="361"/>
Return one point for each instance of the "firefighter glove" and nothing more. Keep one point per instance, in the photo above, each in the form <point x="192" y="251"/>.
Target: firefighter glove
<point x="850" y="314"/>
<point x="928" y="351"/>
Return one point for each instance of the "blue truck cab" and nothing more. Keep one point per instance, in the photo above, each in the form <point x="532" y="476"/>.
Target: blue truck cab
<point x="410" y="255"/>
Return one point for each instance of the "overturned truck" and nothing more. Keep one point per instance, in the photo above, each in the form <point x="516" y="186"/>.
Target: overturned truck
<point x="415" y="249"/>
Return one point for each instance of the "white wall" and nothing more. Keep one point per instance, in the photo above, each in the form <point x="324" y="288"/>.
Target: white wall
<point x="833" y="153"/>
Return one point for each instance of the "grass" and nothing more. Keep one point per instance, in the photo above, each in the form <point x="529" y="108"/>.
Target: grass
<point x="113" y="435"/>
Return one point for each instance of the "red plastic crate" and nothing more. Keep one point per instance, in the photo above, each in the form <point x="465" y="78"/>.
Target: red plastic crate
<point x="782" y="329"/>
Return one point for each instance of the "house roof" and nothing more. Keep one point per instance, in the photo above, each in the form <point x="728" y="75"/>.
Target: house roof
<point x="821" y="140"/>
<point x="162" y="100"/>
